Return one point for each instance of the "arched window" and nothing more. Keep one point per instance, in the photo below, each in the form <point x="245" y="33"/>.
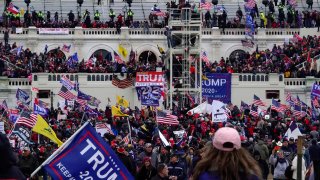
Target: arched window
<point x="54" y="77"/>
<point x="98" y="77"/>
<point x="35" y="77"/>
<point x="49" y="77"/>
<point x="240" y="77"/>
<point x="89" y="78"/>
<point x="235" y="55"/>
<point x="102" y="77"/>
<point x="102" y="55"/>
<point x="147" y="56"/>
<point x="57" y="53"/>
<point x="93" y="78"/>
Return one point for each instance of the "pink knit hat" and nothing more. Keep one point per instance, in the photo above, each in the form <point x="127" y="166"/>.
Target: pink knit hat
<point x="226" y="135"/>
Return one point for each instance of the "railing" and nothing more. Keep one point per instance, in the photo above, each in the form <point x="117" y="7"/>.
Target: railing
<point x="253" y="77"/>
<point x="19" y="82"/>
<point x="295" y="82"/>
<point x="279" y="31"/>
<point x="153" y="31"/>
<point x="87" y="77"/>
<point x="110" y="31"/>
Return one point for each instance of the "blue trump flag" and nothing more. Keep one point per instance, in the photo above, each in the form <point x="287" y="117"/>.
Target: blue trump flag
<point x="40" y="110"/>
<point x="217" y="87"/>
<point x="86" y="156"/>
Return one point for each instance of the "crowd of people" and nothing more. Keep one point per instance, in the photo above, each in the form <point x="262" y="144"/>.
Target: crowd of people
<point x="17" y="61"/>
<point x="243" y="147"/>
<point x="286" y="16"/>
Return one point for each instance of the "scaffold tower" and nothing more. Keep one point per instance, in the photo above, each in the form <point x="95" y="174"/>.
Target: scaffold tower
<point x="185" y="62"/>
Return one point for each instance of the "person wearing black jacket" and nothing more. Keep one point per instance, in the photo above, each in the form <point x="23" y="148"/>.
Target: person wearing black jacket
<point x="314" y="151"/>
<point x="175" y="169"/>
<point x="27" y="162"/>
<point x="147" y="171"/>
<point x="8" y="165"/>
<point x="126" y="160"/>
<point x="162" y="174"/>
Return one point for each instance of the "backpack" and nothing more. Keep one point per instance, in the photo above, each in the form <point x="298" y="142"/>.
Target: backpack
<point x="288" y="172"/>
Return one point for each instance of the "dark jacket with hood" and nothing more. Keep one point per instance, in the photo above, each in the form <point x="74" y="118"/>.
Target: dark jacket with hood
<point x="8" y="165"/>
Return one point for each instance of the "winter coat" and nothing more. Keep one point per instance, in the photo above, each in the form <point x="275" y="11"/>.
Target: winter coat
<point x="146" y="174"/>
<point x="295" y="170"/>
<point x="262" y="149"/>
<point x="175" y="169"/>
<point x="279" y="168"/>
<point x="8" y="161"/>
<point x="215" y="176"/>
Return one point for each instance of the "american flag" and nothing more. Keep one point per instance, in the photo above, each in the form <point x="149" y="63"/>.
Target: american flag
<point x="13" y="9"/>
<point x="290" y="99"/>
<point x="244" y="106"/>
<point x="66" y="48"/>
<point x="159" y="13"/>
<point x="28" y="119"/>
<point x="82" y="102"/>
<point x="34" y="89"/>
<point x="117" y="58"/>
<point x="250" y="4"/>
<point x="277" y="106"/>
<point x="254" y="110"/>
<point x="65" y="81"/>
<point x="205" y="5"/>
<point x="104" y="126"/>
<point x="125" y="83"/>
<point x="297" y="111"/>
<point x="205" y="58"/>
<point x="166" y="118"/>
<point x="66" y="94"/>
<point x="257" y="101"/>
<point x="126" y="139"/>
<point x="4" y="105"/>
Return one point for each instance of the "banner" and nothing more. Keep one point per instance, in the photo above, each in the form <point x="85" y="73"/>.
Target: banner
<point x="54" y="31"/>
<point x="149" y="95"/>
<point x="39" y="110"/>
<point x="87" y="156"/>
<point x="149" y="86"/>
<point x="22" y="133"/>
<point x="22" y="95"/>
<point x="179" y="134"/>
<point x="151" y="78"/>
<point x="13" y="115"/>
<point x="217" y="87"/>
<point x="315" y="95"/>
<point x="219" y="111"/>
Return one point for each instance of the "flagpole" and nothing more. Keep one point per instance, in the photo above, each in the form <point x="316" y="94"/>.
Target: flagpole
<point x="61" y="148"/>
<point x="84" y="113"/>
<point x="129" y="130"/>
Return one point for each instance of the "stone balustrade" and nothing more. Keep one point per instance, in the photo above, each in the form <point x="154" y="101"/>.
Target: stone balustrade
<point x="111" y="32"/>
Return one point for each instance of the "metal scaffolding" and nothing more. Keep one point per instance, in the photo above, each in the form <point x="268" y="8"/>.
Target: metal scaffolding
<point x="185" y="62"/>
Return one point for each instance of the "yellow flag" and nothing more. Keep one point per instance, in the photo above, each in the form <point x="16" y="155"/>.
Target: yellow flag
<point x="42" y="127"/>
<point x="122" y="51"/>
<point x="122" y="102"/>
<point x="117" y="112"/>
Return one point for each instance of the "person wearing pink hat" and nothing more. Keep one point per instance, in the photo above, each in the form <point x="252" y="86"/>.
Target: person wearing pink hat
<point x="226" y="160"/>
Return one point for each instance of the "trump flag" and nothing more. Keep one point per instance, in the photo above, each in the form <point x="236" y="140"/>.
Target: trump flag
<point x="86" y="156"/>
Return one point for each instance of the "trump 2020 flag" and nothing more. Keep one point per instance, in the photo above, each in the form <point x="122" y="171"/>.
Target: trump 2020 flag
<point x="87" y="156"/>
